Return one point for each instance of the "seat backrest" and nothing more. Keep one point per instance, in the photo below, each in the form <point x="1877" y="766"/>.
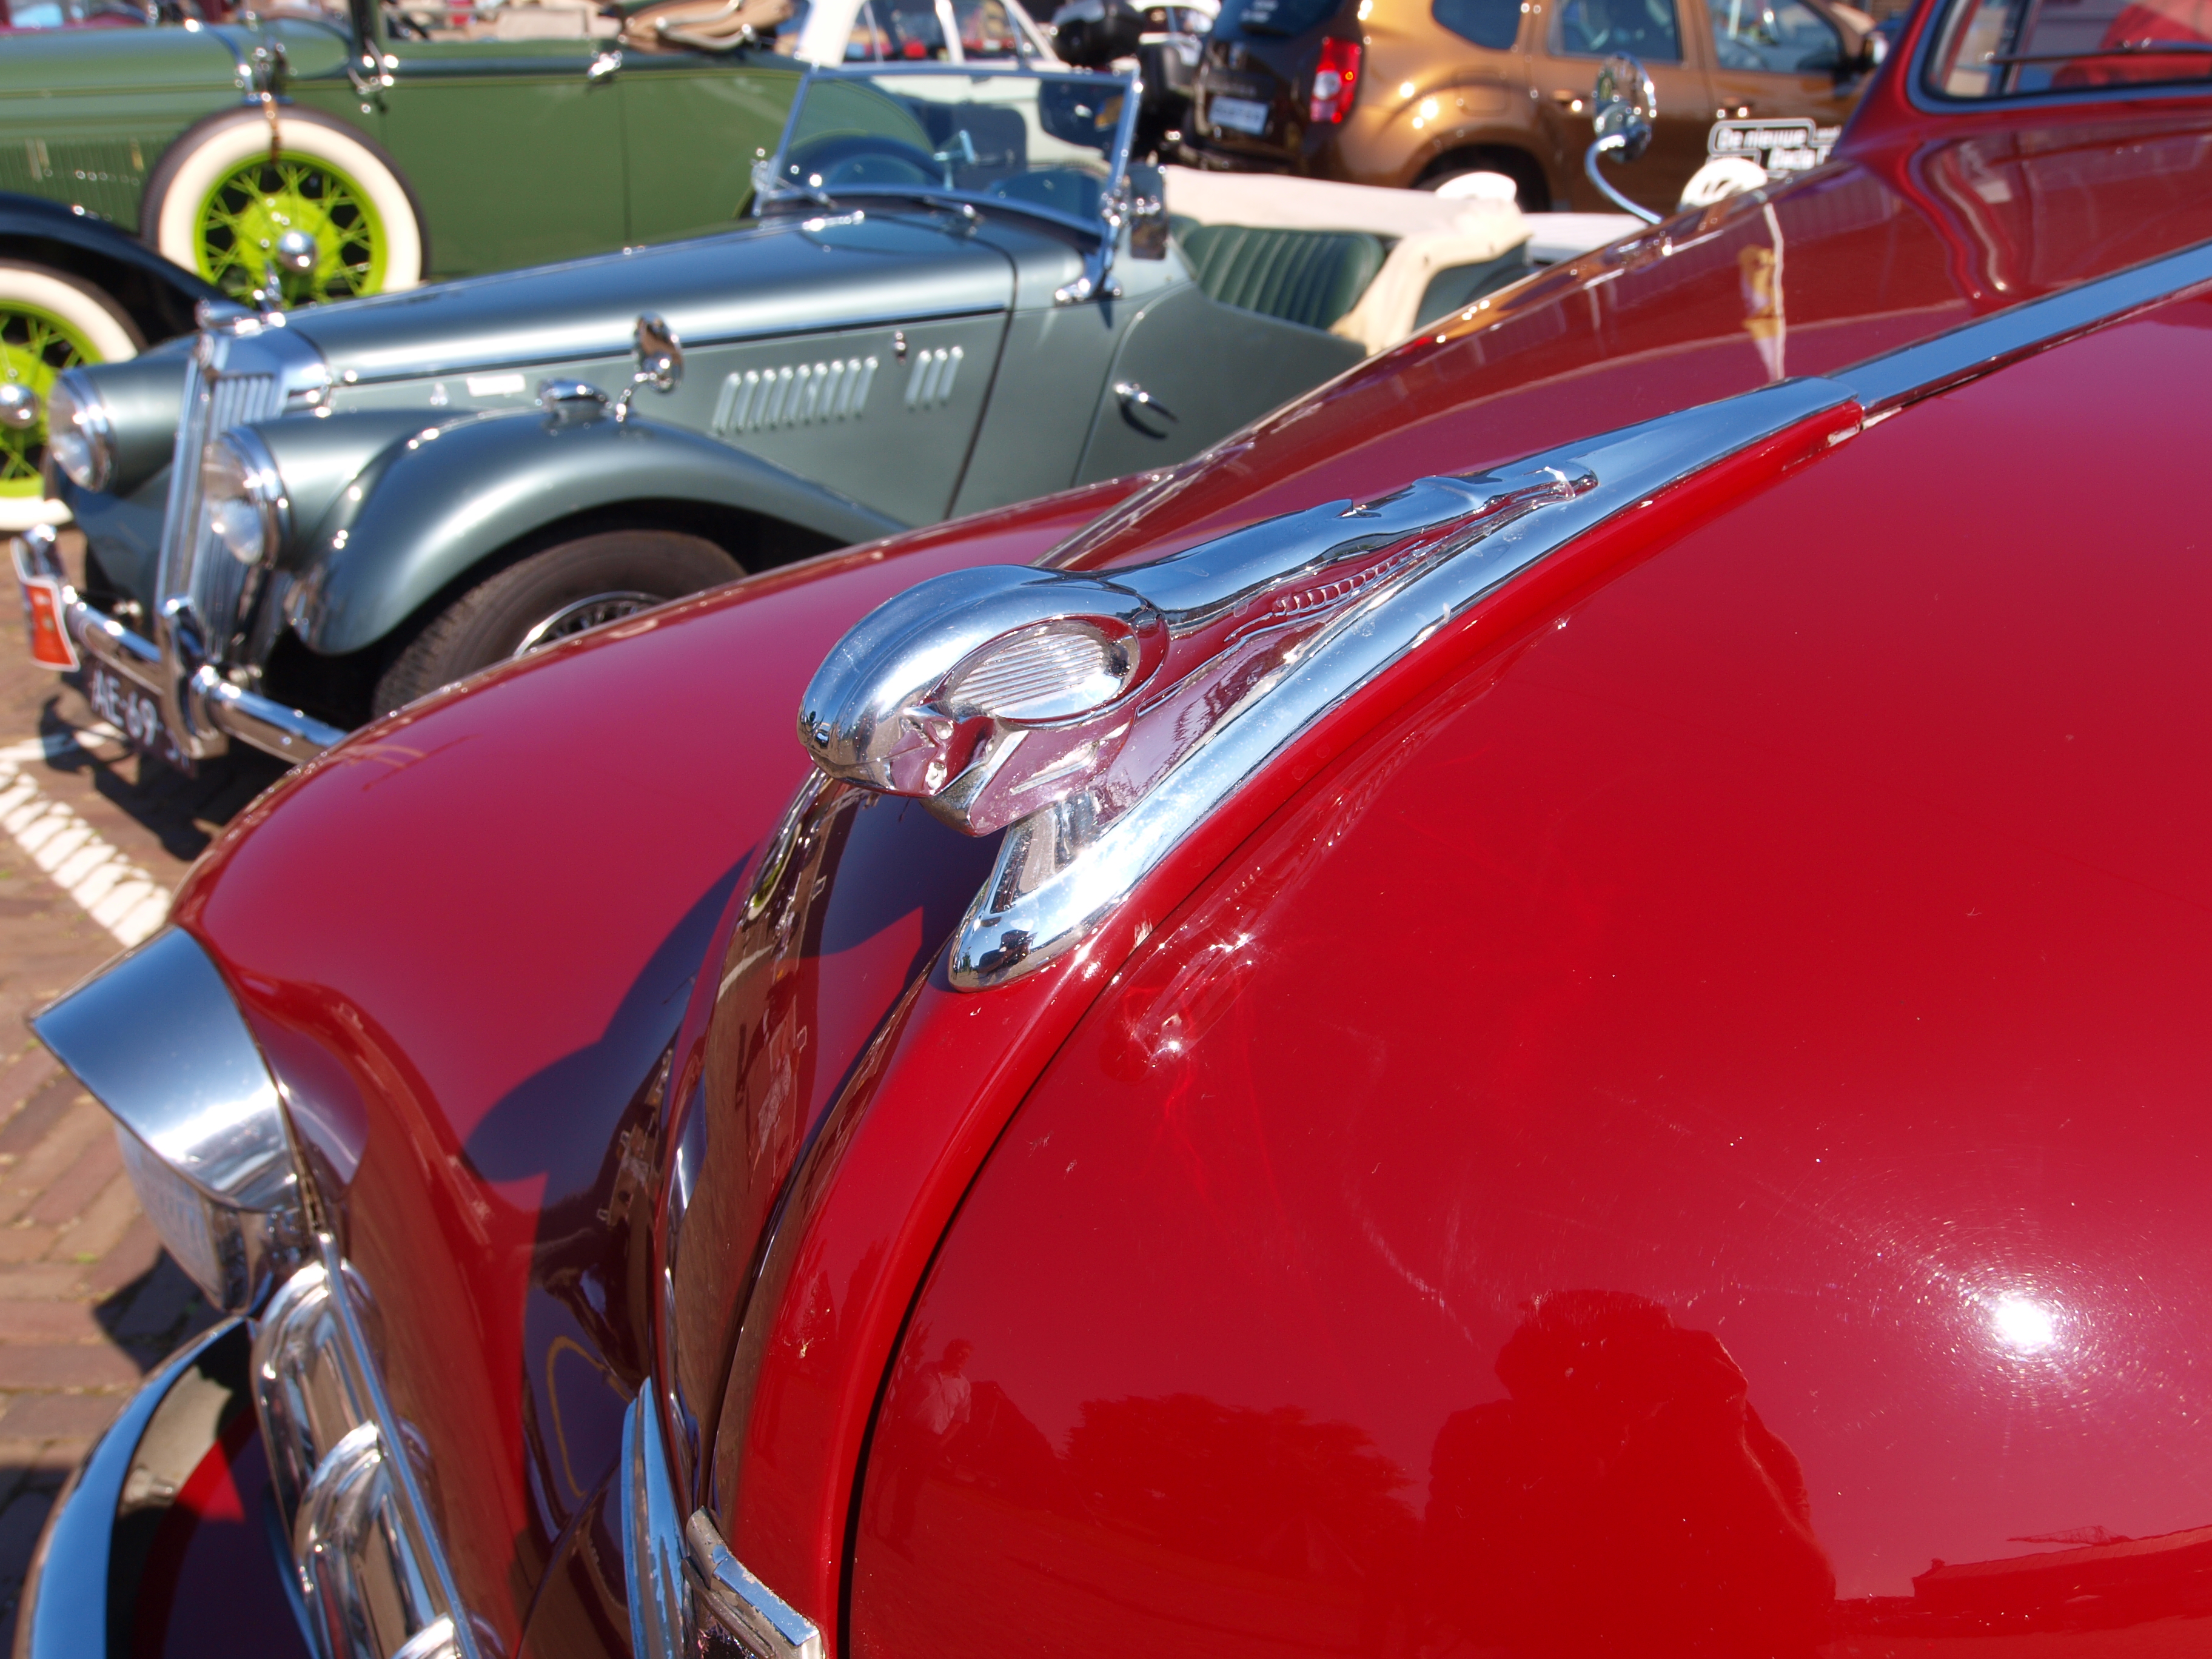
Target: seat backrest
<point x="1309" y="276"/>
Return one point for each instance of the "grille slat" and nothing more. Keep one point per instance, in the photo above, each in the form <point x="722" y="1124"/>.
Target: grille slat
<point x="192" y="564"/>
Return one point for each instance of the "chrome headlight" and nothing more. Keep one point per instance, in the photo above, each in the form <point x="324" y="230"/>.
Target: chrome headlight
<point x="160" y="1044"/>
<point x="79" y="435"/>
<point x="242" y="496"/>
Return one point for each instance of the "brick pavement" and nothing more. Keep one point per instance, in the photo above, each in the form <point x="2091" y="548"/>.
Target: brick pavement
<point x="88" y="1299"/>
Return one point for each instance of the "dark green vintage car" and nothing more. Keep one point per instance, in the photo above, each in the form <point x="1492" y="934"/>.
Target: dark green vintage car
<point x="404" y="144"/>
<point x="956" y="294"/>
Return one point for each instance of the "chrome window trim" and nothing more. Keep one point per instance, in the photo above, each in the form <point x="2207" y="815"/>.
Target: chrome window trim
<point x="1927" y="102"/>
<point x="1064" y="869"/>
<point x="1114" y="199"/>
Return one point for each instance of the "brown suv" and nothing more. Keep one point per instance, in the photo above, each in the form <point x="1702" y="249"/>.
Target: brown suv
<point x="1411" y="92"/>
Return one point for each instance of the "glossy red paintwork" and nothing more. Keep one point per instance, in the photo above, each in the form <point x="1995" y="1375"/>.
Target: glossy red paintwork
<point x="534" y="979"/>
<point x="1686" y="1125"/>
<point x="949" y="1070"/>
<point x="1927" y="223"/>
<point x="391" y="918"/>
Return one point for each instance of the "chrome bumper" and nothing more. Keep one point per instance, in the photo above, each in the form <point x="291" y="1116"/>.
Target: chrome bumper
<point x="192" y="696"/>
<point x="170" y="1424"/>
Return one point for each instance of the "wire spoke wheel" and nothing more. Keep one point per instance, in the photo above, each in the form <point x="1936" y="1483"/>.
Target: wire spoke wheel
<point x="35" y="347"/>
<point x="252" y="205"/>
<point x="583" y="616"/>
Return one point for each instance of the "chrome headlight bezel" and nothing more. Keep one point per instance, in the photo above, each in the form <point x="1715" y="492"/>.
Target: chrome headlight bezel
<point x="158" y="1040"/>
<point x="79" y="431"/>
<point x="239" y="476"/>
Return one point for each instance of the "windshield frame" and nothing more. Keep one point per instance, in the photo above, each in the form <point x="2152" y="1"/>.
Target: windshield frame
<point x="1927" y="99"/>
<point x="1103" y="228"/>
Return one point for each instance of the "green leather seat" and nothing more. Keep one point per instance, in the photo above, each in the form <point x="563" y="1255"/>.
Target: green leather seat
<point x="1309" y="276"/>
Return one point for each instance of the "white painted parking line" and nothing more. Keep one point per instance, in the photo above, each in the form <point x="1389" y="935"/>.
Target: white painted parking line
<point x="114" y="891"/>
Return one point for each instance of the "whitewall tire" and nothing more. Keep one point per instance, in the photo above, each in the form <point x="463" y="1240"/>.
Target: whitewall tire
<point x="49" y="321"/>
<point x="215" y="204"/>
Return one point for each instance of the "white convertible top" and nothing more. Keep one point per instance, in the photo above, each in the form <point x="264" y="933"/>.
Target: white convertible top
<point x="1473" y="222"/>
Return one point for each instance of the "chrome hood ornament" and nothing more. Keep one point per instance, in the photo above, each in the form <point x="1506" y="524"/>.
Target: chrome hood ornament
<point x="996" y="693"/>
<point x="1056" y="704"/>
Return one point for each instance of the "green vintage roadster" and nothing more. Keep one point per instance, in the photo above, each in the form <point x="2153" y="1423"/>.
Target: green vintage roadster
<point x="329" y="148"/>
<point x="958" y="294"/>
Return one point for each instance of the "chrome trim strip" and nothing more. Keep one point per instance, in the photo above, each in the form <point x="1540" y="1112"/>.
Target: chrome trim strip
<point x="64" y="1611"/>
<point x="763" y="1620"/>
<point x="409" y="1489"/>
<point x="1067" y="864"/>
<point x="653" y="1541"/>
<point x="685" y="1584"/>
<point x="1056" y="878"/>
<point x="1928" y="367"/>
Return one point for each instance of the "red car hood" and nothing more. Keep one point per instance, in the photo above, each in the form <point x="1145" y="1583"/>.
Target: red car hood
<point x="1910" y="236"/>
<point x="467" y="937"/>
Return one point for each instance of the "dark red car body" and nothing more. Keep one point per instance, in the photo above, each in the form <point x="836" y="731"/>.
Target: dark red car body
<point x="1676" y="1124"/>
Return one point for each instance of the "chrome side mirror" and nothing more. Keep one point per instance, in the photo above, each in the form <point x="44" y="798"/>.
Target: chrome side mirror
<point x="659" y="360"/>
<point x="1627" y="104"/>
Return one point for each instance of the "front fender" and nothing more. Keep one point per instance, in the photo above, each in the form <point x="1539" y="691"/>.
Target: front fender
<point x="446" y="497"/>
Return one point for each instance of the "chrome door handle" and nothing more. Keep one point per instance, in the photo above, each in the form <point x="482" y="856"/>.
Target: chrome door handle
<point x="1133" y="396"/>
<point x="604" y="65"/>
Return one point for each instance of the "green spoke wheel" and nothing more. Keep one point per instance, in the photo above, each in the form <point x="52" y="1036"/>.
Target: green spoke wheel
<point x="36" y="345"/>
<point x="251" y="206"/>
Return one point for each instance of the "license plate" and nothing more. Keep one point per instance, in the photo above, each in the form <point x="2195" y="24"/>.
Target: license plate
<point x="133" y="714"/>
<point x="1238" y="114"/>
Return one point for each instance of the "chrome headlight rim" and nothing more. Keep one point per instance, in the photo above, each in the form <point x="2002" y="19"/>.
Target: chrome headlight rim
<point x="157" y="1038"/>
<point x="240" y="463"/>
<point x="76" y="413"/>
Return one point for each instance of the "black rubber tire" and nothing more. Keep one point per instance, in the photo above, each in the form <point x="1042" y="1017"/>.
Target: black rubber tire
<point x="487" y="624"/>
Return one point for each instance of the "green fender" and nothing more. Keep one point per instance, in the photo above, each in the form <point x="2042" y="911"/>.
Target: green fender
<point x="448" y="497"/>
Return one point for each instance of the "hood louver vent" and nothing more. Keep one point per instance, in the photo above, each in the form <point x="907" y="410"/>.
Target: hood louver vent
<point x="799" y="395"/>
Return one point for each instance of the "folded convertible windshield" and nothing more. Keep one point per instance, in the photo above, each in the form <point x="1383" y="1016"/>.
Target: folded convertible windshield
<point x="1991" y="49"/>
<point x="1046" y="144"/>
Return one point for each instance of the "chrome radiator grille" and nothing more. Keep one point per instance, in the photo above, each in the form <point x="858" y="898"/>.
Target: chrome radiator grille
<point x="236" y="377"/>
<point x="367" y="1565"/>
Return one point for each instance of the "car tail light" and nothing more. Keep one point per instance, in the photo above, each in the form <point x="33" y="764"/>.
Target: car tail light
<point x="1335" y="79"/>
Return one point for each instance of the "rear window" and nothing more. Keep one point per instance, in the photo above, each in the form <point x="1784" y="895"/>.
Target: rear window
<point x="1276" y="16"/>
<point x="1992" y="49"/>
<point x="1492" y="23"/>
